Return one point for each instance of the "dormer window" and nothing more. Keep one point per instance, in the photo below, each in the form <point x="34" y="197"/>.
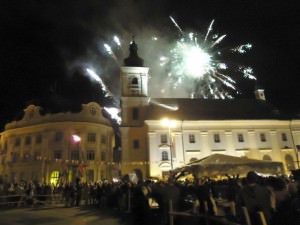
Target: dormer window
<point x="240" y="137"/>
<point x="263" y="137"/>
<point x="163" y="139"/>
<point x="283" y="137"/>
<point x="217" y="138"/>
<point x="93" y="111"/>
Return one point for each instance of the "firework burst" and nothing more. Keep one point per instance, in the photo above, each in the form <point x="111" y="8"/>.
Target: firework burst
<point x="196" y="63"/>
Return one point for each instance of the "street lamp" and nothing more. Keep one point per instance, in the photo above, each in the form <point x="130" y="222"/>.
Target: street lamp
<point x="294" y="146"/>
<point x="76" y="139"/>
<point x="169" y="124"/>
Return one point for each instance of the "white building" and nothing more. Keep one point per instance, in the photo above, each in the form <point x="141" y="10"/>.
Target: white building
<point x="250" y="128"/>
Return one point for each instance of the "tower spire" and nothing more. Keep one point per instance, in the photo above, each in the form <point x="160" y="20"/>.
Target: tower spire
<point x="133" y="60"/>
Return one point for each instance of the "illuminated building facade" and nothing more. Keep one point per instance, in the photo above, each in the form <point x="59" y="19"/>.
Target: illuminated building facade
<point x="250" y="128"/>
<point x="40" y="147"/>
<point x="58" y="147"/>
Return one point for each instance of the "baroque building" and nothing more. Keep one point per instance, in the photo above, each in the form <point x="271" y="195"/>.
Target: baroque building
<point x="58" y="147"/>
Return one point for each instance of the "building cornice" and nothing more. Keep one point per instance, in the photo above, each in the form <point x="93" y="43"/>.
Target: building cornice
<point x="90" y="113"/>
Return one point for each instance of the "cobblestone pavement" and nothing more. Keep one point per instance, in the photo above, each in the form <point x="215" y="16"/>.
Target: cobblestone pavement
<point x="61" y="216"/>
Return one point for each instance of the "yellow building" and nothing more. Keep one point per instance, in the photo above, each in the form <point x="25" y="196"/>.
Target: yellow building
<point x="58" y="147"/>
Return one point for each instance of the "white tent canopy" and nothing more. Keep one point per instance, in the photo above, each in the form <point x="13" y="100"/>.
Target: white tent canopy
<point x="221" y="165"/>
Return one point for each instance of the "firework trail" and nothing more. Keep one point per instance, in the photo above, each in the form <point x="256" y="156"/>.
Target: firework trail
<point x="113" y="111"/>
<point x="209" y="29"/>
<point x="197" y="64"/>
<point x="97" y="78"/>
<point x="176" y="25"/>
<point x="115" y="50"/>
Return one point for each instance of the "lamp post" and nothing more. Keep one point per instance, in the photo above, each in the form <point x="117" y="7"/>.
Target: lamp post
<point x="76" y="140"/>
<point x="294" y="146"/>
<point x="169" y="124"/>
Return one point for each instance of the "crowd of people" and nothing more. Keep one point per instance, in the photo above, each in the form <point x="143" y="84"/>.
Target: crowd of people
<point x="148" y="201"/>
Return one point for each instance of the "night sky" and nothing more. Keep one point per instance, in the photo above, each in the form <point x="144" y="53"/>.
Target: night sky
<point x="46" y="45"/>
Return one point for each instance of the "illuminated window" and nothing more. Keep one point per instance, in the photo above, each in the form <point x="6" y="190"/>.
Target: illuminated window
<point x="136" y="144"/>
<point x="217" y="138"/>
<point x="91" y="137"/>
<point x="90" y="155"/>
<point x="75" y="155"/>
<point x="164" y="156"/>
<point x="58" y="136"/>
<point x="240" y="137"/>
<point x="38" y="139"/>
<point x="262" y="137"/>
<point x="57" y="154"/>
<point x="5" y="146"/>
<point x="103" y="156"/>
<point x="163" y="139"/>
<point x="18" y="141"/>
<point x="28" y="140"/>
<point x="135" y="113"/>
<point x="14" y="156"/>
<point x="192" y="138"/>
<point x="283" y="137"/>
<point x="103" y="139"/>
<point x="54" y="179"/>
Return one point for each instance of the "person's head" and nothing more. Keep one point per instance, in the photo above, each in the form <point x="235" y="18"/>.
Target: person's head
<point x="276" y="183"/>
<point x="252" y="177"/>
<point x="296" y="175"/>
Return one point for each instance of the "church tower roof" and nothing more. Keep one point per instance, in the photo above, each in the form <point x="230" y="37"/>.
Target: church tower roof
<point x="133" y="60"/>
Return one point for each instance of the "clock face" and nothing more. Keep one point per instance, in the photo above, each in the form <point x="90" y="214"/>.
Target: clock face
<point x="93" y="111"/>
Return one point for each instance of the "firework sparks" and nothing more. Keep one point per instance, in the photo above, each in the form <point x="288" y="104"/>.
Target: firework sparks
<point x="194" y="62"/>
<point x="110" y="52"/>
<point x="198" y="61"/>
<point x="169" y="107"/>
<point x="113" y="111"/>
<point x="242" y="48"/>
<point x="97" y="78"/>
<point x="117" y="41"/>
<point x="176" y="25"/>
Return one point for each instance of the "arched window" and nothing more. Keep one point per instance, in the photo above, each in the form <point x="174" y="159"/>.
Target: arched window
<point x="289" y="161"/>
<point x="134" y="86"/>
<point x="164" y="155"/>
<point x="267" y="158"/>
<point x="134" y="81"/>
